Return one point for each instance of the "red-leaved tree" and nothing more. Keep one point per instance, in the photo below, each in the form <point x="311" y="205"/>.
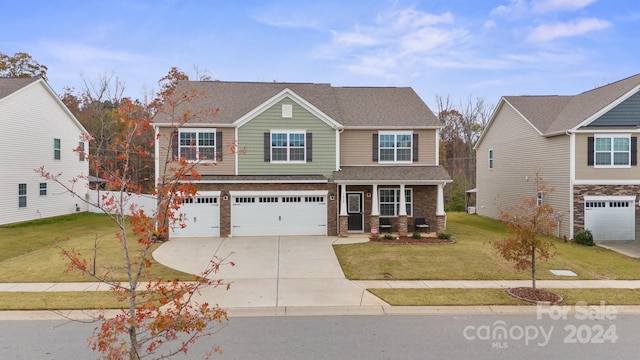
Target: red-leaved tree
<point x="160" y="316"/>
<point x="529" y="222"/>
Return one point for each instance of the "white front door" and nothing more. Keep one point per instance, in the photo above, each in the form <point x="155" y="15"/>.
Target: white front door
<point x="278" y="213"/>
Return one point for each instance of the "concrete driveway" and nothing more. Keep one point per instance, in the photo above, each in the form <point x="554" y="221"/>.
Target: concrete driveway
<point x="270" y="271"/>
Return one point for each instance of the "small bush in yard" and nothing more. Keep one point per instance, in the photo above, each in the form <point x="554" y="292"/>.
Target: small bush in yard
<point x="584" y="237"/>
<point x="388" y="237"/>
<point x="416" y="235"/>
<point x="444" y="236"/>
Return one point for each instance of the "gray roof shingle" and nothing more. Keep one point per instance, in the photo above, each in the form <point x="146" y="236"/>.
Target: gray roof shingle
<point x="350" y="106"/>
<point x="552" y="114"/>
<point x="10" y="85"/>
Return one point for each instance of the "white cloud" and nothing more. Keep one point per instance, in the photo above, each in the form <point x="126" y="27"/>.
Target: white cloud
<point x="549" y="32"/>
<point x="544" y="6"/>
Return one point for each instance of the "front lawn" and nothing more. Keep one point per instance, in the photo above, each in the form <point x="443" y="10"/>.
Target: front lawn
<point x="28" y="252"/>
<point x="472" y="257"/>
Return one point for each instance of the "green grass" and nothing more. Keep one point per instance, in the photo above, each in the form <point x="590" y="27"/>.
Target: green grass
<point x="71" y="300"/>
<point x="473" y="258"/>
<point x="28" y="250"/>
<point x="468" y="297"/>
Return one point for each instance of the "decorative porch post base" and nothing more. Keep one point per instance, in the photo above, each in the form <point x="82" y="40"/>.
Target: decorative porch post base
<point x="402" y="225"/>
<point x="344" y="225"/>
<point x="374" y="222"/>
<point x="442" y="223"/>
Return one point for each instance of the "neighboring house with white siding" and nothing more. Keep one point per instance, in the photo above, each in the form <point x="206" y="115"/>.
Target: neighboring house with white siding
<point x="584" y="146"/>
<point x="38" y="130"/>
<point x="316" y="159"/>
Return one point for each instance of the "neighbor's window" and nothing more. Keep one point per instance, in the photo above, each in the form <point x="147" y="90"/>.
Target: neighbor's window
<point x="389" y="201"/>
<point x="491" y="159"/>
<point x="540" y="199"/>
<point x="81" y="154"/>
<point x="197" y="145"/>
<point x="22" y="195"/>
<point x="56" y="149"/>
<point x="288" y="146"/>
<point x="612" y="151"/>
<point x="43" y="189"/>
<point x="395" y="147"/>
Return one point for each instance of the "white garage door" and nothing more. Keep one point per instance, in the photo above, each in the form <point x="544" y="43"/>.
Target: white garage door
<point x="610" y="217"/>
<point x="202" y="217"/>
<point x="279" y="213"/>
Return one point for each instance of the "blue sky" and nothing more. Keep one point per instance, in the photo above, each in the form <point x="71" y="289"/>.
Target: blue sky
<point x="456" y="48"/>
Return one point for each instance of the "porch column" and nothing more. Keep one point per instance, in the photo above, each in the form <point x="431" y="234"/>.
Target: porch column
<point x="441" y="216"/>
<point x="374" y="219"/>
<point x="402" y="213"/>
<point x="343" y="219"/>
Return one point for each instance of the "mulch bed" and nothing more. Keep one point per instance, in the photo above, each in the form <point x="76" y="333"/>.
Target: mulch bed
<point x="410" y="240"/>
<point x="534" y="296"/>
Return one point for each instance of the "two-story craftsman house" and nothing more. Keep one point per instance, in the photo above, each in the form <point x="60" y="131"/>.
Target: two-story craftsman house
<point x="306" y="159"/>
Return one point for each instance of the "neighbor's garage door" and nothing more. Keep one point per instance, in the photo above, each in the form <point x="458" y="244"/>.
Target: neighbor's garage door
<point x="279" y="213"/>
<point x="611" y="217"/>
<point x="201" y="217"/>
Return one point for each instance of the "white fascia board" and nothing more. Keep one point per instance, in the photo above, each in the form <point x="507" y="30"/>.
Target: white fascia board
<point x="393" y="128"/>
<point x="260" y="181"/>
<point x="392" y="182"/>
<point x="605" y="109"/>
<point x="287" y="93"/>
<point x="280" y="193"/>
<point x="610" y="198"/>
<point x="192" y="125"/>
<point x="606" y="182"/>
<point x="606" y="131"/>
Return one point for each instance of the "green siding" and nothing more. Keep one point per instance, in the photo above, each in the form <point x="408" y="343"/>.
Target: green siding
<point x="251" y="138"/>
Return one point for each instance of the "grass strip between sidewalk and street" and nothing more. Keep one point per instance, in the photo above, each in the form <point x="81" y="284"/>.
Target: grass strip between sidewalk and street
<point x="468" y="297"/>
<point x="63" y="300"/>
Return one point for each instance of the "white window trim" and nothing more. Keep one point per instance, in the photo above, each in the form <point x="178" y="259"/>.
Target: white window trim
<point x="21" y="196"/>
<point x="611" y="151"/>
<point x="57" y="150"/>
<point x="198" y="131"/>
<point x="395" y="149"/>
<point x="491" y="158"/>
<point x="41" y="189"/>
<point x="539" y="199"/>
<point x="288" y="147"/>
<point x="397" y="202"/>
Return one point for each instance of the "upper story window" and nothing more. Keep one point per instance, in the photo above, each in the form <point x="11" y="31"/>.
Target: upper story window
<point x="491" y="159"/>
<point x="612" y="151"/>
<point x="81" y="153"/>
<point x="288" y="146"/>
<point x="540" y="199"/>
<point x="197" y="145"/>
<point x="56" y="149"/>
<point x="395" y="146"/>
<point x="43" y="189"/>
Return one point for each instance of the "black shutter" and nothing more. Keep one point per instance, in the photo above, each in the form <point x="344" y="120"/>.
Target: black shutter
<point x="590" y="151"/>
<point x="174" y="144"/>
<point x="219" y="145"/>
<point x="267" y="147"/>
<point x="634" y="151"/>
<point x="375" y="147"/>
<point x="415" y="147"/>
<point x="309" y="145"/>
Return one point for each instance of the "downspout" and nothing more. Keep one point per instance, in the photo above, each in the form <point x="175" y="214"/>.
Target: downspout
<point x="572" y="176"/>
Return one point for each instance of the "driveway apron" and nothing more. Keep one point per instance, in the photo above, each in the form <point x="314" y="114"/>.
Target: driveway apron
<point x="269" y="271"/>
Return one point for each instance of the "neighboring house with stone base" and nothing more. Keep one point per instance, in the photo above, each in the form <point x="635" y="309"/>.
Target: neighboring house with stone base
<point x="584" y="146"/>
<point x="306" y="159"/>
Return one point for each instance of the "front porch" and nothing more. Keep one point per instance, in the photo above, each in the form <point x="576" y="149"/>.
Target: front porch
<point x="396" y="196"/>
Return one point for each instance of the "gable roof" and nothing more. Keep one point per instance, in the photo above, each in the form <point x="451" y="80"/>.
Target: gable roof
<point x="392" y="107"/>
<point x="556" y="114"/>
<point x="9" y="85"/>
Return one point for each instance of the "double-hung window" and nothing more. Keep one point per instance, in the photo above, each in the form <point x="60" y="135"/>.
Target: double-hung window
<point x="395" y="146"/>
<point x="197" y="145"/>
<point x="490" y="158"/>
<point x="389" y="201"/>
<point x="22" y="195"/>
<point x="288" y="146"/>
<point x="43" y="189"/>
<point x="56" y="149"/>
<point x="612" y="151"/>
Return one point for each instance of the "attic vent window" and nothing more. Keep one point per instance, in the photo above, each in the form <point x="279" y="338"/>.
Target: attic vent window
<point x="287" y="110"/>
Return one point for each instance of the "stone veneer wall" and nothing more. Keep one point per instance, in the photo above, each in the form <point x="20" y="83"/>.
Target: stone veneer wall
<point x="579" y="191"/>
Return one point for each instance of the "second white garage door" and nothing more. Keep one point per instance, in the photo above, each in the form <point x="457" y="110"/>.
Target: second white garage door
<point x="278" y="213"/>
<point x="610" y="217"/>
